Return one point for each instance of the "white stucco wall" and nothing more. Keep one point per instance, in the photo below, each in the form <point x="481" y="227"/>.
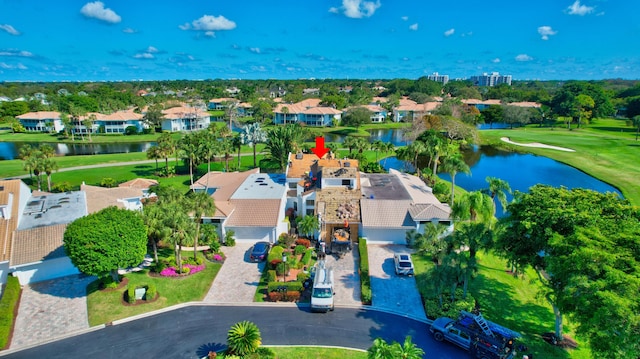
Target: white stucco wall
<point x="49" y="269"/>
<point x="385" y="235"/>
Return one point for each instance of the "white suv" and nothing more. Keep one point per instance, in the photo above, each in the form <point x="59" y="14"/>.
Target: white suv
<point x="403" y="263"/>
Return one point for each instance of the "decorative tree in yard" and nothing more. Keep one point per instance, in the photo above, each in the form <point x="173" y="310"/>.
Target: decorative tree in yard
<point x="102" y="242"/>
<point x="308" y="225"/>
<point x="244" y="338"/>
<point x="383" y="350"/>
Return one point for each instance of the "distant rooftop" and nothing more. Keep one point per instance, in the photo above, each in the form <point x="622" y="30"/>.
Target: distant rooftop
<point x="53" y="209"/>
<point x="261" y="186"/>
<point x="383" y="186"/>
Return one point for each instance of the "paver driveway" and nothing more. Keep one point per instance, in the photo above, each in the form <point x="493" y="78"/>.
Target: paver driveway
<point x="51" y="309"/>
<point x="390" y="291"/>
<point x="238" y="278"/>
<point x="347" y="277"/>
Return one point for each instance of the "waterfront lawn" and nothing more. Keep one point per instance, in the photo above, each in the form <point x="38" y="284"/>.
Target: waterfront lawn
<point x="605" y="149"/>
<point x="106" y="306"/>
<point x="39" y="137"/>
<point x="317" y="353"/>
<point x="512" y="302"/>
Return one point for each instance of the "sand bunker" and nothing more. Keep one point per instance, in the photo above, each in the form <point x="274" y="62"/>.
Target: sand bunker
<point x="536" y="144"/>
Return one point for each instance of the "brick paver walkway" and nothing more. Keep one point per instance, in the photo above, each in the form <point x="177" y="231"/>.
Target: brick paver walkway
<point x="238" y="278"/>
<point x="347" y="277"/>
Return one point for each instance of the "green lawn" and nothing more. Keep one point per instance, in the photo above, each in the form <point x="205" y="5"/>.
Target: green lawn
<point x="104" y="306"/>
<point x="95" y="138"/>
<point x="317" y="353"/>
<point x="605" y="149"/>
<point x="512" y="302"/>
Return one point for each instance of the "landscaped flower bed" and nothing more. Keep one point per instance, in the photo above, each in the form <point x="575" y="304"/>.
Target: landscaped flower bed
<point x="187" y="269"/>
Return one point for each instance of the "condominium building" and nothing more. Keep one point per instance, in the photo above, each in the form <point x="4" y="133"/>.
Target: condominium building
<point x="491" y="80"/>
<point x="443" y="79"/>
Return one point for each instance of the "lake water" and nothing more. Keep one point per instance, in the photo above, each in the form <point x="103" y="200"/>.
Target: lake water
<point x="10" y="150"/>
<point x="521" y="171"/>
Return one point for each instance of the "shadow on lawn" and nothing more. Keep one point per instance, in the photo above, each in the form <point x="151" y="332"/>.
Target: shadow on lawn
<point x="203" y="350"/>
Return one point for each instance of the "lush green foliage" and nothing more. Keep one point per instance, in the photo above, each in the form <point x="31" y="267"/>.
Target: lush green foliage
<point x="8" y="303"/>
<point x="365" y="280"/>
<point x="243" y="338"/>
<point x="274" y="286"/>
<point x="382" y="350"/>
<point x="102" y="242"/>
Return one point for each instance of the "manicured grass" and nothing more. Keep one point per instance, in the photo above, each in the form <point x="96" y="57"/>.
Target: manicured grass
<point x="512" y="302"/>
<point x="95" y="138"/>
<point x="8" y="302"/>
<point x="605" y="149"/>
<point x="317" y="353"/>
<point x="104" y="306"/>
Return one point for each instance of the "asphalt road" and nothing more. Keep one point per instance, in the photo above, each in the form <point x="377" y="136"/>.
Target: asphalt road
<point x="191" y="332"/>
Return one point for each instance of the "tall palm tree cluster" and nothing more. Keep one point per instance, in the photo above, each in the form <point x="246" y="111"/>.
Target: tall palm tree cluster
<point x="203" y="146"/>
<point x="38" y="161"/>
<point x="177" y="219"/>
<point x="454" y="255"/>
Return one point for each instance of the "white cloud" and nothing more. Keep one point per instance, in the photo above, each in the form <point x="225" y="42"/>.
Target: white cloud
<point x="129" y="30"/>
<point x="143" y="55"/>
<point x="17" y="53"/>
<point x="546" y="31"/>
<point x="255" y="50"/>
<point x="577" y="9"/>
<point x="413" y="27"/>
<point x="524" y="57"/>
<point x="6" y="66"/>
<point x="449" y="32"/>
<point x="405" y="18"/>
<point x="97" y="10"/>
<point x="10" y="29"/>
<point x="357" y="9"/>
<point x="496" y="60"/>
<point x="209" y="24"/>
<point x="152" y="50"/>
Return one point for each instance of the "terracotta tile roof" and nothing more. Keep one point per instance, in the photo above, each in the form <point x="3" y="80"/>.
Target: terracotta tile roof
<point x="141" y="183"/>
<point x="386" y="213"/>
<point x="299" y="167"/>
<point x="224" y="99"/>
<point x="321" y="111"/>
<point x="298" y="107"/>
<point x="406" y="102"/>
<point x="254" y="213"/>
<point x="183" y="111"/>
<point x="37" y="244"/>
<point x="418" y="107"/>
<point x="10" y="199"/>
<point x="526" y="104"/>
<point x="40" y="115"/>
<point x="380" y="99"/>
<point x="99" y="197"/>
<point x="492" y="102"/>
<point x="225" y="184"/>
<point x="471" y="101"/>
<point x="119" y="116"/>
<point x="372" y="108"/>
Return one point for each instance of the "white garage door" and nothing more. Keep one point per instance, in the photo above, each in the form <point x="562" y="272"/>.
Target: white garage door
<point x="49" y="269"/>
<point x="253" y="234"/>
<point x="385" y="235"/>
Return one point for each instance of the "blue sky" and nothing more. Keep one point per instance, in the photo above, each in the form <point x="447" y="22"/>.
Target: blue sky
<point x="114" y="40"/>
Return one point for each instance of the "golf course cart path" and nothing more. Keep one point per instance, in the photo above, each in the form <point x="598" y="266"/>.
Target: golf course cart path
<point x="536" y="144"/>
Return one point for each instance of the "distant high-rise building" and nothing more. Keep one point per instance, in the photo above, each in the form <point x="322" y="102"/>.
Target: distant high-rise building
<point x="490" y="80"/>
<point x="443" y="79"/>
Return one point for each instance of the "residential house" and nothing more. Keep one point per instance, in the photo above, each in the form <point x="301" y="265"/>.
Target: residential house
<point x="118" y="122"/>
<point x="32" y="225"/>
<point x="307" y="111"/>
<point x="311" y="92"/>
<point x="41" y="121"/>
<point x="378" y="113"/>
<point x="481" y="105"/>
<point x="249" y="203"/>
<point x="276" y="92"/>
<point x="221" y="103"/>
<point x="185" y="118"/>
<point x="233" y="91"/>
<point x="408" y="110"/>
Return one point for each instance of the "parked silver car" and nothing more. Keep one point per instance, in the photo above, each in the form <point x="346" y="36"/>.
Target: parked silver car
<point x="403" y="263"/>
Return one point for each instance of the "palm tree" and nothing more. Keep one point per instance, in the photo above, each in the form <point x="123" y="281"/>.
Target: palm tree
<point x="454" y="164"/>
<point x="285" y="111"/>
<point x="202" y="205"/>
<point x="498" y="188"/>
<point x="154" y="216"/>
<point x="378" y="146"/>
<point x="252" y="135"/>
<point x="236" y="144"/>
<point x="209" y="147"/>
<point x="88" y="124"/>
<point x="24" y="153"/>
<point x="473" y="206"/>
<point x="408" y="350"/>
<point x="474" y="236"/>
<point x="350" y="142"/>
<point x="244" y="338"/>
<point x="181" y="229"/>
<point x="415" y="149"/>
<point x="167" y="146"/>
<point x="153" y="153"/>
<point x="189" y="144"/>
<point x="49" y="165"/>
<point x="283" y="140"/>
<point x="379" y="350"/>
<point x="231" y="112"/>
<point x="67" y="125"/>
<point x="308" y="225"/>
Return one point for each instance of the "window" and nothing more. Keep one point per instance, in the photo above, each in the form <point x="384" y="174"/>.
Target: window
<point x="309" y="211"/>
<point x="310" y="202"/>
<point x="346" y="182"/>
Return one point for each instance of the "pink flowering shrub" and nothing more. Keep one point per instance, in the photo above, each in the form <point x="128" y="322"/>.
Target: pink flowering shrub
<point x="173" y="272"/>
<point x="217" y="257"/>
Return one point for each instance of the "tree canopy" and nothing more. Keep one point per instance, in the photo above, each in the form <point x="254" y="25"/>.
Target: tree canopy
<point x="102" y="242"/>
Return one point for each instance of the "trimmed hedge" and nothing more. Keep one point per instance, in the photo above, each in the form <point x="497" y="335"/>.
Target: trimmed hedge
<point x="306" y="258"/>
<point x="151" y="292"/>
<point x="275" y="253"/>
<point x="8" y="303"/>
<point x="271" y="275"/>
<point x="131" y="294"/>
<point x="291" y="286"/>
<point x="365" y="280"/>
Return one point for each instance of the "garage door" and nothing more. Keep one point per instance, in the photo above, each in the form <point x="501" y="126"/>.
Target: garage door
<point x="253" y="233"/>
<point x="385" y="235"/>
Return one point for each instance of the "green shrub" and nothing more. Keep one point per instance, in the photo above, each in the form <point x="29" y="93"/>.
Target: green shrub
<point x="8" y="302"/>
<point x="271" y="275"/>
<point x="131" y="294"/>
<point x="151" y="292"/>
<point x="290" y="286"/>
<point x="306" y="259"/>
<point x="275" y="253"/>
<point x="365" y="280"/>
<point x="229" y="239"/>
<point x="302" y="276"/>
<point x="108" y="182"/>
<point x="286" y="240"/>
<point x="299" y="249"/>
<point x="282" y="268"/>
<point x="303" y="242"/>
<point x="159" y="266"/>
<point x="170" y="261"/>
<point x="185" y="270"/>
<point x="108" y="282"/>
<point x="265" y="353"/>
<point x="62" y="187"/>
<point x="273" y="264"/>
<point x="449" y="309"/>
